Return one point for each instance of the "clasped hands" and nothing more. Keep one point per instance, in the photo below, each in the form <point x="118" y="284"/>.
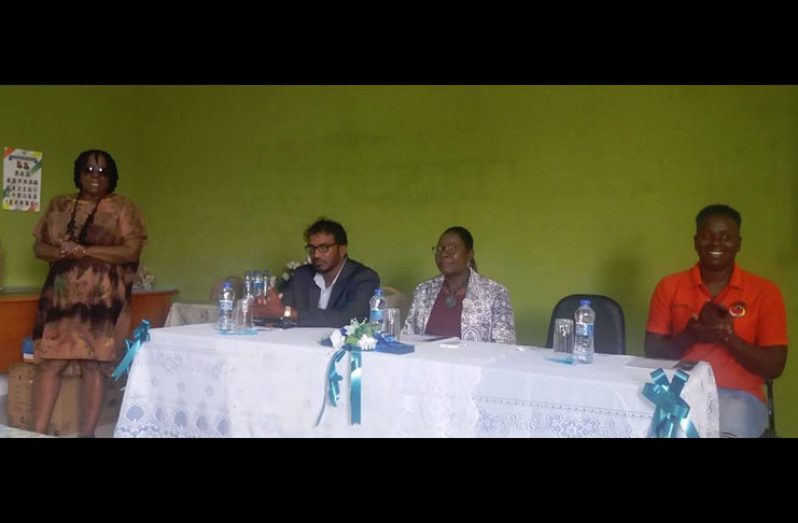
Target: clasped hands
<point x="269" y="305"/>
<point x="72" y="250"/>
<point x="713" y="324"/>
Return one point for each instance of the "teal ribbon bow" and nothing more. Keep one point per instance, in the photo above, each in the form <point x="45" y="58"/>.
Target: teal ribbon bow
<point x="140" y="335"/>
<point x="671" y="412"/>
<point x="333" y="388"/>
<point x="355" y="371"/>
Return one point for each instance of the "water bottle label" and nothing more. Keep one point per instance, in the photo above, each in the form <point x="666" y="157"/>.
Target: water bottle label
<point x="225" y="305"/>
<point x="375" y="316"/>
<point x="583" y="329"/>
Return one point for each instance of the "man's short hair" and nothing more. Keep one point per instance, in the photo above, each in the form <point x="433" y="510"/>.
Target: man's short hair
<point x="715" y="209"/>
<point x="323" y="225"/>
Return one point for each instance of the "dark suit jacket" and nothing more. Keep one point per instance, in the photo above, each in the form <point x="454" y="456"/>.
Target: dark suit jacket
<point x="349" y="299"/>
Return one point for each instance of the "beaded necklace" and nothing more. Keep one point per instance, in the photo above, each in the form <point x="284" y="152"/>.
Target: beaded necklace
<point x="451" y="299"/>
<point x="70" y="229"/>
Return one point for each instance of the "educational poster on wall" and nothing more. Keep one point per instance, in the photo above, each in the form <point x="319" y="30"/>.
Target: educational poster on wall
<point x="22" y="179"/>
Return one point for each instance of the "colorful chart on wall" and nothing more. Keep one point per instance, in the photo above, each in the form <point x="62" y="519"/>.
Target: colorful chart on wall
<point x="22" y="180"/>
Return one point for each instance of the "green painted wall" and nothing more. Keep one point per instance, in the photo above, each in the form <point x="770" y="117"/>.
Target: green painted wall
<point x="565" y="188"/>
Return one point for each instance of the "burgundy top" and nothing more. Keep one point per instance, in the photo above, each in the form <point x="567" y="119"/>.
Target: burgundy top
<point x="444" y="321"/>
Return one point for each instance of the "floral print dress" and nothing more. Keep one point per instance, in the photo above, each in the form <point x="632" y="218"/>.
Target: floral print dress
<point x="83" y="300"/>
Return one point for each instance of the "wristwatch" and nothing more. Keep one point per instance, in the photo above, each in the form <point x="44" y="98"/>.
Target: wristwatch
<point x="287" y="312"/>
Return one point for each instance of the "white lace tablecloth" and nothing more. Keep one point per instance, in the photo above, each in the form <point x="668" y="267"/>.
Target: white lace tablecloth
<point x="525" y="394"/>
<point x="192" y="382"/>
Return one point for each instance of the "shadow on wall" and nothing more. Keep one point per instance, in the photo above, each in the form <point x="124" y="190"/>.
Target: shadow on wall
<point x="620" y="279"/>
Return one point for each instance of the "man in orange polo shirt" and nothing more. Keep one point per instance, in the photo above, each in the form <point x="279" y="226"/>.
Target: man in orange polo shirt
<point x="721" y="314"/>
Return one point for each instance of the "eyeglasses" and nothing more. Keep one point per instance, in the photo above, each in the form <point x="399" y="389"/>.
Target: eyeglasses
<point x="448" y="249"/>
<point x="324" y="248"/>
<point x="90" y="169"/>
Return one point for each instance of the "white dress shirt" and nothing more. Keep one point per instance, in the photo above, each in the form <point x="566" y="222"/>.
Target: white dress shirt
<point x="324" y="297"/>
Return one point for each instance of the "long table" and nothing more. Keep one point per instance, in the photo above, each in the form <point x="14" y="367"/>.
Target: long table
<point x="190" y="381"/>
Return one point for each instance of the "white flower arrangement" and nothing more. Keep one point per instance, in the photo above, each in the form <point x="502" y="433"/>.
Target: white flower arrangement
<point x="144" y="278"/>
<point x="356" y="334"/>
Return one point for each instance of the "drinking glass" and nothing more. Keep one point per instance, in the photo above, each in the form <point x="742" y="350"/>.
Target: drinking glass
<point x="564" y="335"/>
<point x="392" y="322"/>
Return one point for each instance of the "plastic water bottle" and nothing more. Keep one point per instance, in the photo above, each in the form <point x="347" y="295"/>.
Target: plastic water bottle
<point x="267" y="278"/>
<point x="258" y="286"/>
<point x="584" y="318"/>
<point x="377" y="305"/>
<point x="248" y="284"/>
<point x="227" y="297"/>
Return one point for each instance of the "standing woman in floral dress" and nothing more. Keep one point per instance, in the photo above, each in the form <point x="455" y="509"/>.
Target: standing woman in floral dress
<point x="92" y="241"/>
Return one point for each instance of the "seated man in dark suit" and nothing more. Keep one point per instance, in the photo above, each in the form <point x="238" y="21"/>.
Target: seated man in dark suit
<point x="330" y="291"/>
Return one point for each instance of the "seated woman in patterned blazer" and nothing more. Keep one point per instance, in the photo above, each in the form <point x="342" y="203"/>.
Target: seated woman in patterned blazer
<point x="460" y="302"/>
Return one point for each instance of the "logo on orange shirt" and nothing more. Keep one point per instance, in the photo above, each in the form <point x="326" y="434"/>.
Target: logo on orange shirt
<point x="737" y="309"/>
